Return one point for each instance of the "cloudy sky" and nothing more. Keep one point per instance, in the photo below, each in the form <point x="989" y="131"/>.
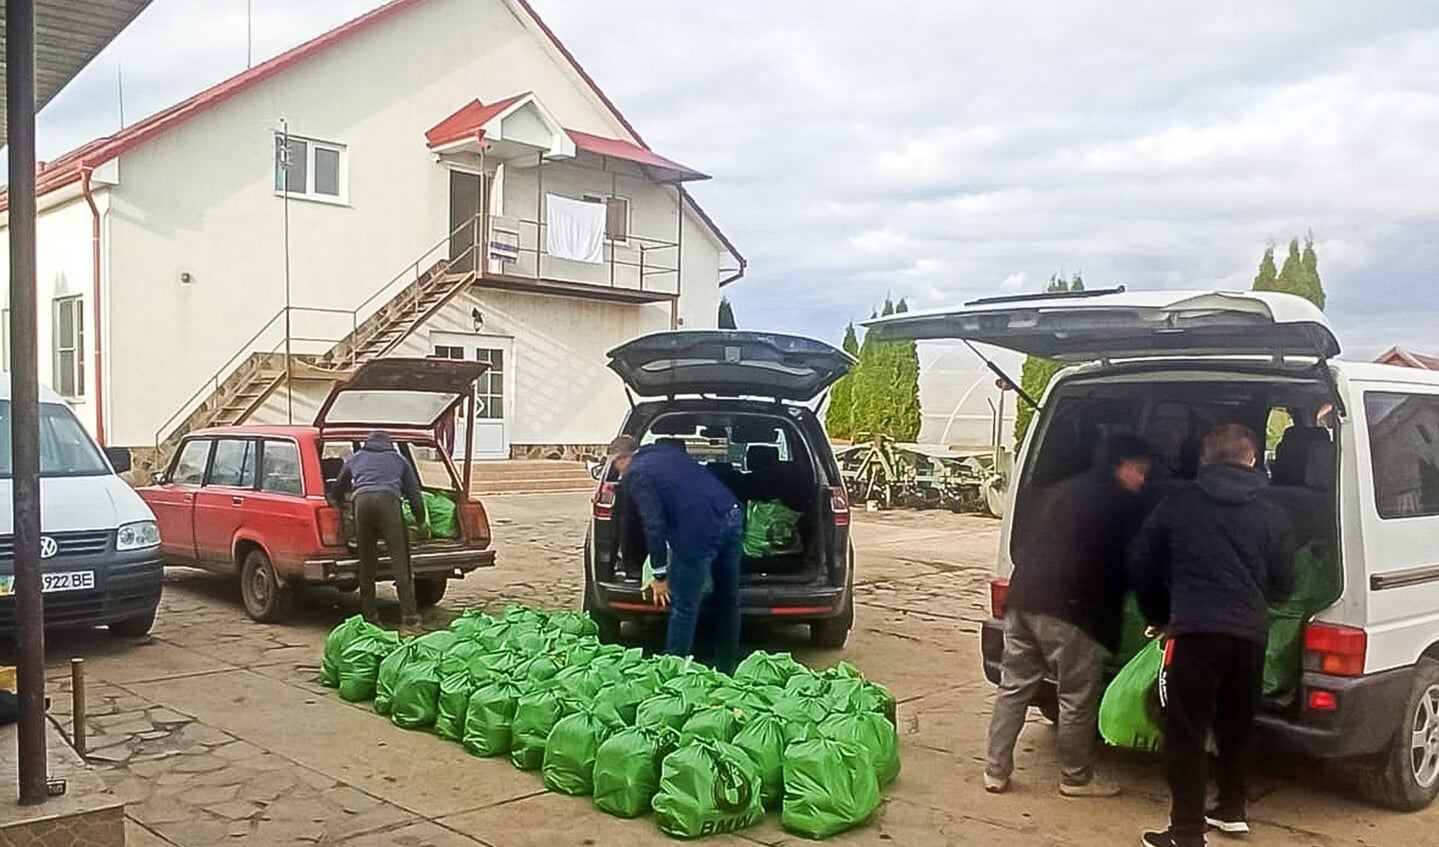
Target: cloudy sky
<point x="944" y="150"/>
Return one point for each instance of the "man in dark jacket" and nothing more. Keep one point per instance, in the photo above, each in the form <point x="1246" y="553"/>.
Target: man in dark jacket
<point x="693" y="529"/>
<point x="380" y="478"/>
<point x="1064" y="611"/>
<point x="1206" y="567"/>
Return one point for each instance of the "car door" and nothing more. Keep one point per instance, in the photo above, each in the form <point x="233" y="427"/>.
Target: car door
<point x="282" y="517"/>
<point x="173" y="500"/>
<point x="220" y="504"/>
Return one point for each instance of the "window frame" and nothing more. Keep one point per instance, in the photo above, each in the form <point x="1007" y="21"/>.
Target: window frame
<point x="1369" y="422"/>
<point x="76" y="348"/>
<point x="607" y="199"/>
<point x="5" y="339"/>
<point x="264" y="445"/>
<point x="307" y="192"/>
<point x="254" y="455"/>
<point x="180" y="453"/>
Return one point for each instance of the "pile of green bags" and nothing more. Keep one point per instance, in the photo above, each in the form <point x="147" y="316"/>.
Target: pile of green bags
<point x="706" y="752"/>
<point x="771" y="529"/>
<point x="440" y="514"/>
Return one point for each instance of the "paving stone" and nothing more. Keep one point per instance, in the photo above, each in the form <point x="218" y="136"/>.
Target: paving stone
<point x="206" y="736"/>
<point x="114" y="754"/>
<point x="196" y="831"/>
<point x="350" y="800"/>
<point x="206" y="795"/>
<point x="121" y="724"/>
<point x="199" y="764"/>
<point x="283" y="831"/>
<point x="237" y="751"/>
<point x="315" y="779"/>
<point x="130" y="790"/>
<point x="162" y="715"/>
<point x="156" y="811"/>
<point x="148" y="768"/>
<point x="235" y="809"/>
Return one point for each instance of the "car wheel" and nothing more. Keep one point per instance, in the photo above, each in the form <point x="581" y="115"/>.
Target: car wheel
<point x="607" y="622"/>
<point x="135" y="627"/>
<point x="429" y="592"/>
<point x="266" y="599"/>
<point x="1406" y="777"/>
<point x="832" y="633"/>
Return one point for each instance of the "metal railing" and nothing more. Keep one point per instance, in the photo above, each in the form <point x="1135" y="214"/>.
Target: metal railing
<point x="634" y="260"/>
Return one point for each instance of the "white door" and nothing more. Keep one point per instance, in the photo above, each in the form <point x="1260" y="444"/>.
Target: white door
<point x="494" y="393"/>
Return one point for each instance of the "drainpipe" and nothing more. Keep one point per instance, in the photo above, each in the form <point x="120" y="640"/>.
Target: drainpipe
<point x="85" y="174"/>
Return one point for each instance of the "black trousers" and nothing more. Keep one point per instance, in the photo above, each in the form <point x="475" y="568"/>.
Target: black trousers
<point x="1212" y="682"/>
<point x="379" y="516"/>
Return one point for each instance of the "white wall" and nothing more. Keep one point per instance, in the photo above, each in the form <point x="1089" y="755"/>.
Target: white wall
<point x="200" y="199"/>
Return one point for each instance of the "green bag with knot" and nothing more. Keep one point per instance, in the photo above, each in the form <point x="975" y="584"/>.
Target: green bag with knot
<point x="536" y="713"/>
<point x="360" y="663"/>
<point x="579" y="683"/>
<point x="803" y="704"/>
<point x="624" y="696"/>
<point x="569" y="762"/>
<point x="416" y="699"/>
<point x="453" y="704"/>
<point x="744" y="696"/>
<point x="762" y="737"/>
<point x="850" y="691"/>
<point x="771" y="529"/>
<point x="761" y="668"/>
<point x="627" y="770"/>
<point x="574" y="623"/>
<point x="715" y="722"/>
<point x="665" y="709"/>
<point x="707" y="788"/>
<point x="1129" y="714"/>
<point x="335" y="644"/>
<point x="829" y="787"/>
<point x="873" y="733"/>
<point x="387" y="678"/>
<point x="470" y="625"/>
<point x="490" y="716"/>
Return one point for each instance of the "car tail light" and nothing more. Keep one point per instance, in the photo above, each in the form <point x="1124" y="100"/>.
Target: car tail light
<point x="330" y="527"/>
<point x="839" y="505"/>
<point x="604" y="501"/>
<point x="1335" y="650"/>
<point x="1320" y="700"/>
<point x="475" y="523"/>
<point x="998" y="593"/>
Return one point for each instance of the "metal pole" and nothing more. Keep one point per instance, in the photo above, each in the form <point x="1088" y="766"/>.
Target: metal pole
<point x="285" y="202"/>
<point x="25" y="400"/>
<point x="77" y="706"/>
<point x="469" y="438"/>
<point x="614" y="189"/>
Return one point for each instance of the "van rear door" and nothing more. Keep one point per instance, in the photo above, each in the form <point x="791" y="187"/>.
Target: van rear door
<point x="729" y="363"/>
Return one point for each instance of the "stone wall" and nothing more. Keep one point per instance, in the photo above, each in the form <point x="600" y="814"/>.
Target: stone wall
<point x="557" y="452"/>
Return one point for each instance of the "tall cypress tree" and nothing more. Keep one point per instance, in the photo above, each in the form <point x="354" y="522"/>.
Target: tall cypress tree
<point x="909" y="418"/>
<point x="726" y="315"/>
<point x="1268" y="277"/>
<point x="863" y="399"/>
<point x="1309" y="260"/>
<point x="1291" y="274"/>
<point x="839" y="417"/>
<point x="1298" y="276"/>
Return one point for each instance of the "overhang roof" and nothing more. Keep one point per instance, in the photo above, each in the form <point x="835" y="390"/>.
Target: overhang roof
<point x="658" y="167"/>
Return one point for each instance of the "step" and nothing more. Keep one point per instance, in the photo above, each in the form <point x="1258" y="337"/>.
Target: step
<point x="521" y="486"/>
<point x="530" y="468"/>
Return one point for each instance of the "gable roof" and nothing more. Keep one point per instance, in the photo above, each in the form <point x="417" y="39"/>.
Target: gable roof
<point x="68" y="168"/>
<point x="1399" y="356"/>
<point x="468" y="123"/>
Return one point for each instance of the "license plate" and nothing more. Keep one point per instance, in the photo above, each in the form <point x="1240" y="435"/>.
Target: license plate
<point x="52" y="582"/>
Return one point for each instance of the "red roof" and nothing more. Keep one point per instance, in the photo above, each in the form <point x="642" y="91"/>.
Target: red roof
<point x="467" y="123"/>
<point x="615" y="148"/>
<point x="1400" y="356"/>
<point x="68" y="168"/>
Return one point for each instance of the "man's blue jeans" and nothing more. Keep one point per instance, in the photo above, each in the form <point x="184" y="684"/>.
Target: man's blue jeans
<point x="687" y="579"/>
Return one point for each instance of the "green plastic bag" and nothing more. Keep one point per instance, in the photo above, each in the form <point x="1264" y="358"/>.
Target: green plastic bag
<point x="1315" y="587"/>
<point x="873" y="733"/>
<point x="665" y="709"/>
<point x="360" y="663"/>
<point x="416" y="700"/>
<point x="761" y="668"/>
<point x="624" y="697"/>
<point x="706" y="788"/>
<point x="439" y="514"/>
<point x="335" y="644"/>
<point x="577" y="624"/>
<point x="717" y="723"/>
<point x="489" y="718"/>
<point x="744" y="696"/>
<point x="771" y="529"/>
<point x="387" y="677"/>
<point x="471" y="625"/>
<point x="1129" y="712"/>
<point x="829" y="787"/>
<point x="454" y="703"/>
<point x="762" y="737"/>
<point x="694" y="685"/>
<point x="536" y="713"/>
<point x="569" y="762"/>
<point x="803" y="706"/>
<point x="627" y="770"/>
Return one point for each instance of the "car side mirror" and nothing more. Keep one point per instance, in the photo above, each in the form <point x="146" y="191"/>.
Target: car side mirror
<point x="597" y="470"/>
<point x="119" y="459"/>
<point x="158" y="478"/>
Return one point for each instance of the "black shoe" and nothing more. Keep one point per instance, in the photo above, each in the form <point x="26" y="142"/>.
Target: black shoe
<point x="1227" y="822"/>
<point x="1164" y="839"/>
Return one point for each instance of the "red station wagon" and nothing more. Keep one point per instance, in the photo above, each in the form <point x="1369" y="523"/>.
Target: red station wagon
<point x="250" y="500"/>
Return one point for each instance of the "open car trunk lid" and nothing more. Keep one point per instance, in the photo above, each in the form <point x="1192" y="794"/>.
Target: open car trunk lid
<point x="1119" y="324"/>
<point x="399" y="394"/>
<point x="732" y="363"/>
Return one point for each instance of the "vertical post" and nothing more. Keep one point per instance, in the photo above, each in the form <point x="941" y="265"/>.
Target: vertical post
<point x="539" y="216"/>
<point x="25" y="400"/>
<point x="469" y="439"/>
<point x="285" y="203"/>
<point x="614" y="189"/>
<point x="77" y="706"/>
<point x="679" y="240"/>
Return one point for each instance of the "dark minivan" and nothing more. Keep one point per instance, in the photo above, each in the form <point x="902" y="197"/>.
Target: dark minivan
<point x="740" y="403"/>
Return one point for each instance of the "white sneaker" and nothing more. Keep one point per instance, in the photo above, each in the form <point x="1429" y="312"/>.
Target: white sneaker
<point x="1096" y="787"/>
<point x="995" y="785"/>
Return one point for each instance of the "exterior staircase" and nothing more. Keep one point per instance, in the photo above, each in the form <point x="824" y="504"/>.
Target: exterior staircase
<point x="533" y="476"/>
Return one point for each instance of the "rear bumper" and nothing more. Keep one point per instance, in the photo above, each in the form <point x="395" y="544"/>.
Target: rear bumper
<point x="792" y="602"/>
<point x="127" y="585"/>
<point x="447" y="564"/>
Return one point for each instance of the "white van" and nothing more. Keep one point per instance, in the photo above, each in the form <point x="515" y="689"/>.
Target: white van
<point x="1356" y="676"/>
<point x="99" y="545"/>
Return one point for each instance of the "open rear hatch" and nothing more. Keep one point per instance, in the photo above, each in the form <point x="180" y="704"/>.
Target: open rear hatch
<point x="394" y="394"/>
<point x="1119" y="324"/>
<point x="730" y="363"/>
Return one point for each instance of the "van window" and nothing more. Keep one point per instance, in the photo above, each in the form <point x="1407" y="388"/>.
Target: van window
<point x="66" y="449"/>
<point x="190" y="467"/>
<point x="1404" y="451"/>
<point x="234" y="464"/>
<point x="281" y="463"/>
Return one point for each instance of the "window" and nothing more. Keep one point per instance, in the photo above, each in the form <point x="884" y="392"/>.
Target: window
<point x="617" y="216"/>
<point x="490" y="388"/>
<point x="1404" y="450"/>
<point x="190" y="466"/>
<point x="69" y="373"/>
<point x="234" y="464"/>
<point x="313" y="170"/>
<point x="66" y="449"/>
<point x="281" y="463"/>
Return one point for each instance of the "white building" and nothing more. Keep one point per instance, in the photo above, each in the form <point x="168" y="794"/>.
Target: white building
<point x="457" y="186"/>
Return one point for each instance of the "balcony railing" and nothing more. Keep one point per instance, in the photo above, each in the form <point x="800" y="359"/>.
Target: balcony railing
<point x="516" y="250"/>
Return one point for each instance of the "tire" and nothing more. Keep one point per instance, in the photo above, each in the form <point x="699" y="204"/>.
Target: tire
<point x="1405" y="778"/>
<point x="136" y="627"/>
<point x="608" y="622"/>
<point x="266" y="599"/>
<point x="832" y="633"/>
<point x="429" y="592"/>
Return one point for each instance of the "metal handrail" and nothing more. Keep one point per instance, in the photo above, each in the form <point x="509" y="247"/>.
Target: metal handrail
<point x="643" y="245"/>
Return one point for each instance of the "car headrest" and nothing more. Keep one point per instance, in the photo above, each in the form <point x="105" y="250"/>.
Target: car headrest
<point x="1319" y="471"/>
<point x="1294" y="454"/>
<point x="761" y="457"/>
<point x="673" y="442"/>
<point x="330" y="467"/>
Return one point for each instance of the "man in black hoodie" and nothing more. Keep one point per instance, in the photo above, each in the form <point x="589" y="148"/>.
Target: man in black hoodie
<point x="1206" y="567"/>
<point x="1064" y="611"/>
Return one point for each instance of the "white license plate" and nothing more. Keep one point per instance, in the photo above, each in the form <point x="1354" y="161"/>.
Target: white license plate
<point x="52" y="582"/>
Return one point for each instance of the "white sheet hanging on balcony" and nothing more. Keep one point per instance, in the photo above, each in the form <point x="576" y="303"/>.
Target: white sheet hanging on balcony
<point x="574" y="230"/>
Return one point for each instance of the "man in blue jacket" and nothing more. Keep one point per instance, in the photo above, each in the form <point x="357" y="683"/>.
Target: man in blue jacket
<point x="380" y="477"/>
<point x="693" y="530"/>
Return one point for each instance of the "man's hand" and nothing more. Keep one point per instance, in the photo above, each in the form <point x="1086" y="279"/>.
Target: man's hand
<point x="422" y="532"/>
<point x="661" y="591"/>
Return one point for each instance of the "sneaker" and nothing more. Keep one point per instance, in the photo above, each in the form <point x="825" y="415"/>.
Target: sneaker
<point x="1096" y="787"/>
<point x="1164" y="839"/>
<point x="1227" y="822"/>
<point x="995" y="784"/>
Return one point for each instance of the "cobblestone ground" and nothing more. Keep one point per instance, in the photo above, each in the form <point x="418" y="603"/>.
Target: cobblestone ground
<point x="213" y="731"/>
